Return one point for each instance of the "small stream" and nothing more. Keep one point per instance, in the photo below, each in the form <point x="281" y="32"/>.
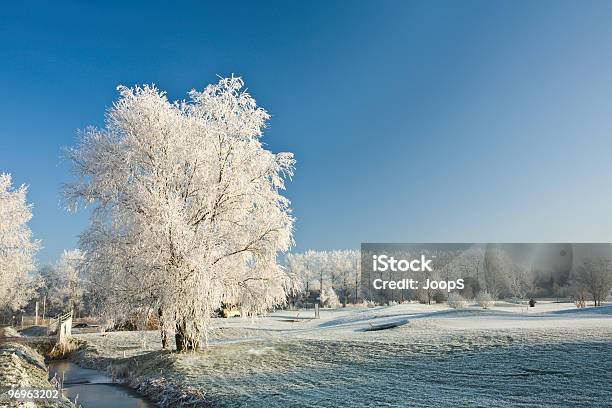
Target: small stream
<point x="94" y="389"/>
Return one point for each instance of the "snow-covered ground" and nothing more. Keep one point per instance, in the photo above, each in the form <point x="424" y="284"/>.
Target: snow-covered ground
<point x="552" y="355"/>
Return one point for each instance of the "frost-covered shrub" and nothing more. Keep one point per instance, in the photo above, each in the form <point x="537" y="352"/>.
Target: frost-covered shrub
<point x="393" y="303"/>
<point x="484" y="299"/>
<point x="456" y="301"/>
<point x="366" y="303"/>
<point x="329" y="298"/>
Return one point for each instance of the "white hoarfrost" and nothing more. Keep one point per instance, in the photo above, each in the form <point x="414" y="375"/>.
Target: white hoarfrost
<point x="456" y="301"/>
<point x="329" y="298"/>
<point x="338" y="270"/>
<point x="188" y="213"/>
<point x="484" y="300"/>
<point x="563" y="354"/>
<point x="17" y="248"/>
<point x="64" y="286"/>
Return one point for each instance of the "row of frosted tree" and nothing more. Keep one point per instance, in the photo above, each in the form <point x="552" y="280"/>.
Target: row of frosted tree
<point x="487" y="273"/>
<point x="57" y="287"/>
<point x="327" y="277"/>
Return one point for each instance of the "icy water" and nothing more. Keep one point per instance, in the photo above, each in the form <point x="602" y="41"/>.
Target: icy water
<point x="93" y="389"/>
<point x="371" y="374"/>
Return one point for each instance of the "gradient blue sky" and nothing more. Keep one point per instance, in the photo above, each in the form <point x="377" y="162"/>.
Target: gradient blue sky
<point x="411" y="121"/>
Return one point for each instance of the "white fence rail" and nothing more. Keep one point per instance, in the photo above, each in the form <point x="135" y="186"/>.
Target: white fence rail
<point x="58" y="321"/>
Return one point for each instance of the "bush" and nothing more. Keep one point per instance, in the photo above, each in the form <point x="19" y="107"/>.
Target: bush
<point x="484" y="299"/>
<point x="329" y="298"/>
<point x="63" y="350"/>
<point x="366" y="303"/>
<point x="456" y="301"/>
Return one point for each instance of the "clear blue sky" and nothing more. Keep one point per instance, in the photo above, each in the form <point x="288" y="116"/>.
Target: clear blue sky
<point x="410" y="121"/>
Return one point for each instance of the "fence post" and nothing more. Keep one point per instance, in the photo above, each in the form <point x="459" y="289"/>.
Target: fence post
<point x="316" y="310"/>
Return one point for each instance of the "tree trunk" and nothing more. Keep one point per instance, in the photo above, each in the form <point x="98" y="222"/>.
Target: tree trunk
<point x="185" y="341"/>
<point x="180" y="338"/>
<point x="164" y="339"/>
<point x="164" y="334"/>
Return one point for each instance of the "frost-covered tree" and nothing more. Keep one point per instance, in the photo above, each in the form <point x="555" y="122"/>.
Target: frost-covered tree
<point x="49" y="276"/>
<point x="338" y="269"/>
<point x="188" y="213"/>
<point x="471" y="264"/>
<point x="70" y="285"/>
<point x="63" y="288"/>
<point x="68" y="266"/>
<point x="17" y="247"/>
<point x="497" y="263"/>
<point x="329" y="298"/>
<point x="349" y="264"/>
<point x="305" y="269"/>
<point x="442" y="267"/>
<point x="519" y="280"/>
<point x="595" y="277"/>
<point x="342" y="270"/>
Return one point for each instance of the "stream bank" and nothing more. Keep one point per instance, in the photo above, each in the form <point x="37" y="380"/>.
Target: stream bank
<point x="92" y="389"/>
<point x="22" y="367"/>
<point x="148" y="374"/>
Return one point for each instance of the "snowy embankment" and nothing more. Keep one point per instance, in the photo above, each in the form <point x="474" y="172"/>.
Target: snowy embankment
<point x="506" y="356"/>
<point x="21" y="367"/>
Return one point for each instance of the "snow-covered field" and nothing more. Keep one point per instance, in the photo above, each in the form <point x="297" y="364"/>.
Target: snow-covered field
<point x="553" y="356"/>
